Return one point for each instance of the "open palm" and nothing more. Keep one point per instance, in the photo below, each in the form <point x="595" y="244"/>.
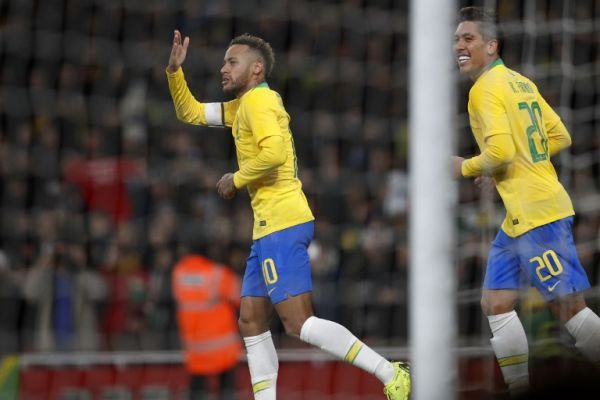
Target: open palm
<point x="178" y="51"/>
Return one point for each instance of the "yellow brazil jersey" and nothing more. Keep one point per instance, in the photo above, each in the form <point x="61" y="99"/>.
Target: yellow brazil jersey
<point x="256" y="118"/>
<point x="503" y="102"/>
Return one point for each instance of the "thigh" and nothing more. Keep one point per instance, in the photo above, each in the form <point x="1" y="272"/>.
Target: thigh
<point x="549" y="258"/>
<point x="503" y="270"/>
<point x="285" y="263"/>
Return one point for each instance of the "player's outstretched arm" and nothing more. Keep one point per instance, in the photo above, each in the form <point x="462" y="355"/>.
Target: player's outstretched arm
<point x="178" y="51"/>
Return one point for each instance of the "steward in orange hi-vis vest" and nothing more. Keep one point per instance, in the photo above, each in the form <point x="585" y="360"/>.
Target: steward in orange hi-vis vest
<point x="207" y="295"/>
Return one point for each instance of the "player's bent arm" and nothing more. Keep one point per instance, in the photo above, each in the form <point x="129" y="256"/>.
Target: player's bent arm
<point x="191" y="111"/>
<point x="500" y="151"/>
<point x="272" y="154"/>
<point x="558" y="138"/>
<point x="558" y="135"/>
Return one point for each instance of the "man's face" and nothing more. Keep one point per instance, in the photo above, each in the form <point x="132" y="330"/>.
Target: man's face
<point x="238" y="65"/>
<point x="473" y="52"/>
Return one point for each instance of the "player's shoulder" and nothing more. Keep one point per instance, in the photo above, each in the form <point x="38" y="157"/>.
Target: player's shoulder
<point x="493" y="82"/>
<point x="263" y="96"/>
<point x="262" y="91"/>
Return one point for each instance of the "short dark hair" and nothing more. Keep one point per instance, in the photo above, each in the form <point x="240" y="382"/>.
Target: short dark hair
<point x="261" y="46"/>
<point x="488" y="23"/>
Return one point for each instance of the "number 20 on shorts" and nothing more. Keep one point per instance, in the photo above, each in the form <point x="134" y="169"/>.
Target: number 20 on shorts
<point x="269" y="271"/>
<point x="547" y="266"/>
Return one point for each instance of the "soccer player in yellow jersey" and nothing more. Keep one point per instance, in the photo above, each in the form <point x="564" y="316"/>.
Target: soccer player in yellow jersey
<point x="277" y="274"/>
<point x="517" y="133"/>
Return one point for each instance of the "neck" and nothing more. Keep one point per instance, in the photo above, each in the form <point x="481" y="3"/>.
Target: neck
<point x="251" y="85"/>
<point x="476" y="76"/>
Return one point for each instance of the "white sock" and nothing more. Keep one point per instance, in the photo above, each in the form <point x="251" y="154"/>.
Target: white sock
<point x="263" y="365"/>
<point x="337" y="340"/>
<point x="585" y="328"/>
<point x="512" y="351"/>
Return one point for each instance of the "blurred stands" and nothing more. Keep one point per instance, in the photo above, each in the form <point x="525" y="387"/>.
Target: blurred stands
<point x="100" y="181"/>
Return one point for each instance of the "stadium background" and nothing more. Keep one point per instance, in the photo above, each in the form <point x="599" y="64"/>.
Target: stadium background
<point x="99" y="180"/>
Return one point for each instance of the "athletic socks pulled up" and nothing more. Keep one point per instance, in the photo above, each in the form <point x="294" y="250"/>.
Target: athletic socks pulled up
<point x="340" y="342"/>
<point x="263" y="365"/>
<point x="585" y="328"/>
<point x="509" y="342"/>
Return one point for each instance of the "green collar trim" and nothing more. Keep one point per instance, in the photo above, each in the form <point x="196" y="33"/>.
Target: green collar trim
<point x="496" y="62"/>
<point x="264" y="85"/>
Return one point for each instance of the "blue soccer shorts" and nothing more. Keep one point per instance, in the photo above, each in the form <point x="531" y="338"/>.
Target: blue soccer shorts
<point x="278" y="266"/>
<point x="544" y="257"/>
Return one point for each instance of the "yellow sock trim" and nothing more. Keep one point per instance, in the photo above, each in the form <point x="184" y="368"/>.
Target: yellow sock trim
<point x="261" y="385"/>
<point x="512" y="360"/>
<point x="353" y="352"/>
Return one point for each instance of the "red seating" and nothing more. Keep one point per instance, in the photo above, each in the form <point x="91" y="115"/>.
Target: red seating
<point x="64" y="379"/>
<point x="96" y="378"/>
<point x="34" y="383"/>
<point x="319" y="381"/>
<point x="129" y="377"/>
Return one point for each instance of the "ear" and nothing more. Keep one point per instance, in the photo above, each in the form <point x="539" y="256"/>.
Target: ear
<point x="258" y="67"/>
<point x="492" y="47"/>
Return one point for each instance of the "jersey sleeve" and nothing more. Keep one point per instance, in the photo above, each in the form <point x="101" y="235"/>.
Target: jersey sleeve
<point x="499" y="151"/>
<point x="491" y="112"/>
<point x="191" y="111"/>
<point x="271" y="155"/>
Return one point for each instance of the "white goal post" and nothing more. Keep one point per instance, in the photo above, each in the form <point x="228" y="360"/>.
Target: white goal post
<point x="432" y="197"/>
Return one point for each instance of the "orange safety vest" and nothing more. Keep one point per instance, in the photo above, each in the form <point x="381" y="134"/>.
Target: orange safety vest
<point x="207" y="295"/>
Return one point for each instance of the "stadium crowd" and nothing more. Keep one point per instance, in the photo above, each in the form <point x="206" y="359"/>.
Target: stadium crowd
<point x="101" y="187"/>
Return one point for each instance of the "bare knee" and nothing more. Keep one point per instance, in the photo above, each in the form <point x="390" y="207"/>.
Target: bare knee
<point x="567" y="307"/>
<point x="251" y="327"/>
<point x="494" y="302"/>
<point x="293" y="324"/>
<point x="293" y="312"/>
<point x="255" y="316"/>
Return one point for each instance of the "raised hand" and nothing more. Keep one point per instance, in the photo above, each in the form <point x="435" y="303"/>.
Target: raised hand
<point x="178" y="51"/>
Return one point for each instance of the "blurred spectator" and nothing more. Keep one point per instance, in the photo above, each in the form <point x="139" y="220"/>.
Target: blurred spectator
<point x="64" y="294"/>
<point x="325" y="263"/>
<point x="124" y="316"/>
<point x="161" y="326"/>
<point x="11" y="286"/>
<point x="208" y="297"/>
<point x="102" y="179"/>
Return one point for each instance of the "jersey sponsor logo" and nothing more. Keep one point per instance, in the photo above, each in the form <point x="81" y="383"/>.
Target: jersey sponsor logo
<point x="515" y="221"/>
<point x="262" y="223"/>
